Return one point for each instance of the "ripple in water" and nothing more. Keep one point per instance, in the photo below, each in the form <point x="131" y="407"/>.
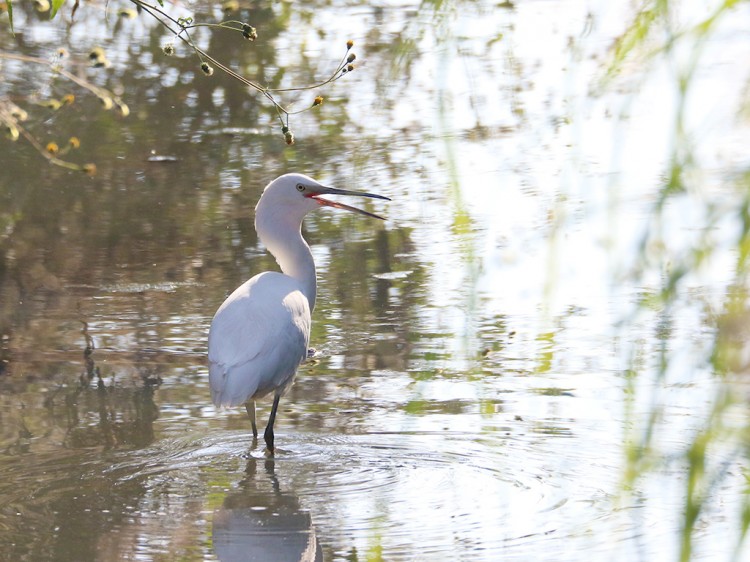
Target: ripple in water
<point x="443" y="488"/>
<point x="357" y="491"/>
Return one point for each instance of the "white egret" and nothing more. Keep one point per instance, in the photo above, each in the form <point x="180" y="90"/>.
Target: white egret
<point x="259" y="335"/>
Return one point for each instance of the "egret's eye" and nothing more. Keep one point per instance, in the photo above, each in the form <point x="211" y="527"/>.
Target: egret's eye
<point x="300" y="187"/>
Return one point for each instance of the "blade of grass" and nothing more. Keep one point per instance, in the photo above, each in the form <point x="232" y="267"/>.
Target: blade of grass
<point x="56" y="5"/>
<point x="10" y="15"/>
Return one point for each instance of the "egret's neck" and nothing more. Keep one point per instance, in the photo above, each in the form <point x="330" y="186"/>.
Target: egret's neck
<point x="281" y="233"/>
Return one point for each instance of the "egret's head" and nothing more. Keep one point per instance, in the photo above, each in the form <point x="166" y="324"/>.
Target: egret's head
<point x="297" y="195"/>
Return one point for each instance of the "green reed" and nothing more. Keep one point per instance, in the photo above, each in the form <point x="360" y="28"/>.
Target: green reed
<point x="722" y="440"/>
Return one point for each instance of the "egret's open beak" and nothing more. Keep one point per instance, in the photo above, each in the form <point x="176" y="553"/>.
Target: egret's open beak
<point x="317" y="191"/>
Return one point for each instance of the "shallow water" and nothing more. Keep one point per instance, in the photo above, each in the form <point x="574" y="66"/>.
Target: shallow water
<point x="472" y="390"/>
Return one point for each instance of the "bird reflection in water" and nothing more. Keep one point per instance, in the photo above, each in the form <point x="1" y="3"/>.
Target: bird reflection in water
<point x="261" y="522"/>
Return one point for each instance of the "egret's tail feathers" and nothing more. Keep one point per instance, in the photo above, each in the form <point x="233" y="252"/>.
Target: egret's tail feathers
<point x="227" y="390"/>
<point x="221" y="401"/>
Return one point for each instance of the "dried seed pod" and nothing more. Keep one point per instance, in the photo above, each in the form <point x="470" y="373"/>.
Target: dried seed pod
<point x="96" y="53"/>
<point x="249" y="32"/>
<point x="51" y="104"/>
<point x="11" y="131"/>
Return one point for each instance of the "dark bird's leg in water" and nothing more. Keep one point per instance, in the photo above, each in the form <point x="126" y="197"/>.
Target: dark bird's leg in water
<point x="268" y="435"/>
<point x="250" y="407"/>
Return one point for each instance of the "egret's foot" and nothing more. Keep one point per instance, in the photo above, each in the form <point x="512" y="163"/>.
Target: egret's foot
<point x="268" y="436"/>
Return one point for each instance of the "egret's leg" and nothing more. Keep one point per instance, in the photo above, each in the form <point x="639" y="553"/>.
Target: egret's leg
<point x="268" y="435"/>
<point x="250" y="407"/>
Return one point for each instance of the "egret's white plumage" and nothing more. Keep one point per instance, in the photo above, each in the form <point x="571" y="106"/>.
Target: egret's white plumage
<point x="258" y="338"/>
<point x="259" y="335"/>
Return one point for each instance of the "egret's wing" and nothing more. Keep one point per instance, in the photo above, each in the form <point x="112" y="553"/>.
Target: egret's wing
<point x="257" y="339"/>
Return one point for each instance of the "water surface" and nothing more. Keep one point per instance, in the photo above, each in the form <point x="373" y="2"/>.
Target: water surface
<point x="473" y="389"/>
